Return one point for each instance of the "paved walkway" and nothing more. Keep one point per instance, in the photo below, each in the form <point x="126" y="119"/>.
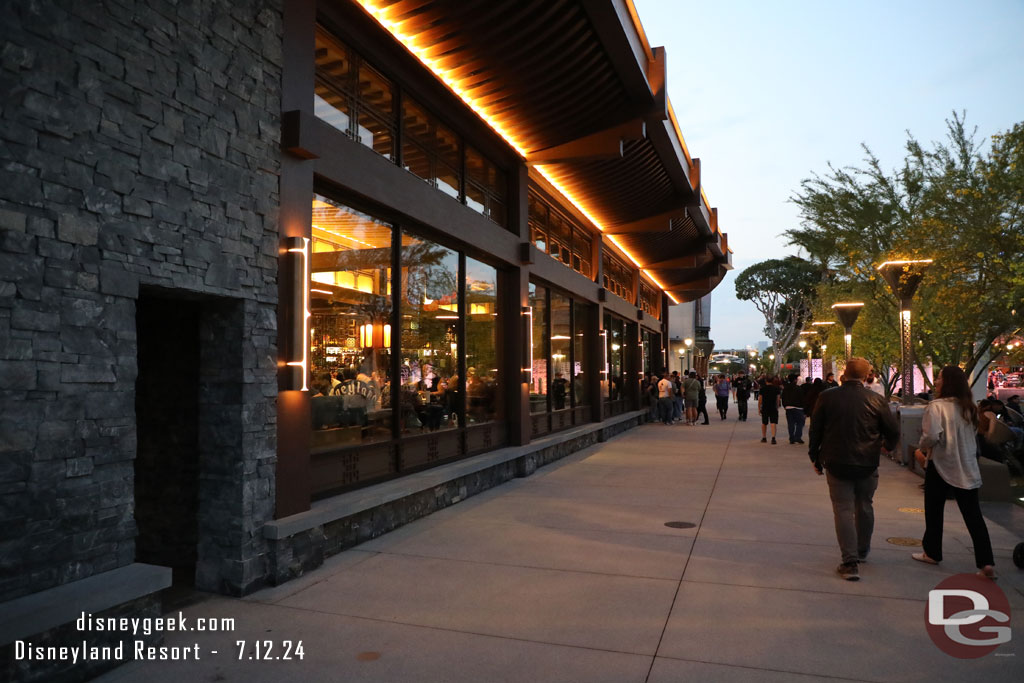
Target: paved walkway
<point x="572" y="575"/>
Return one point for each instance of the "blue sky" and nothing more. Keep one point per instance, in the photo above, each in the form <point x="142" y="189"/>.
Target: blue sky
<point x="768" y="93"/>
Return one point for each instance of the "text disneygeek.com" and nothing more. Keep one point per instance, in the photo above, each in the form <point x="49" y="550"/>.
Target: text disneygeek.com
<point x="131" y="648"/>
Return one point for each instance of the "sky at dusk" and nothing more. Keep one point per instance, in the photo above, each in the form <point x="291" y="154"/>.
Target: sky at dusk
<point x="768" y="93"/>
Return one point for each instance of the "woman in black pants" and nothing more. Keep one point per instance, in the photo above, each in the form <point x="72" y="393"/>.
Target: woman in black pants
<point x="949" y="448"/>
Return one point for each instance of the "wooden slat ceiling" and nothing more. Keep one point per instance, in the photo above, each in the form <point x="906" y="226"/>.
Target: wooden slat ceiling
<point x="541" y="71"/>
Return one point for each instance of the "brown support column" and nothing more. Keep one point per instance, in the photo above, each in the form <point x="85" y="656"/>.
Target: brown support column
<point x="515" y="294"/>
<point x="293" y="411"/>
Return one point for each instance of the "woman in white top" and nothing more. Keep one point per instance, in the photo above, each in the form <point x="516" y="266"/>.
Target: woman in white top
<point x="949" y="447"/>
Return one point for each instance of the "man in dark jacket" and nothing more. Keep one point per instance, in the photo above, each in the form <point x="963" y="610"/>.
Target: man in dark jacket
<point x="849" y="427"/>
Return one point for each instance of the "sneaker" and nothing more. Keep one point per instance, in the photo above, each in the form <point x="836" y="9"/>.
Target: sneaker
<point x="848" y="571"/>
<point x="764" y="440"/>
<point x="774" y="441"/>
<point x="800" y="441"/>
<point x="791" y="442"/>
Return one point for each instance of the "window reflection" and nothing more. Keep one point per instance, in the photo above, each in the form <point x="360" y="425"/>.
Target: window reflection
<point x="481" y="342"/>
<point x="348" y="91"/>
<point x="650" y="300"/>
<point x="350" y="327"/>
<point x="579" y="325"/>
<point x="613" y="327"/>
<point x="555" y="234"/>
<point x="539" y="385"/>
<point x="429" y="399"/>
<point x="430" y="149"/>
<point x="561" y="351"/>
<point x="618" y="277"/>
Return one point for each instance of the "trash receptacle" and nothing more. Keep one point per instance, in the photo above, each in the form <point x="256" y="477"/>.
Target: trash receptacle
<point x="910" y="435"/>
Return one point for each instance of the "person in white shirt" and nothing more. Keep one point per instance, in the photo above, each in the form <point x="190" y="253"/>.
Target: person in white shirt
<point x="873" y="384"/>
<point x="949" y="450"/>
<point x="666" y="395"/>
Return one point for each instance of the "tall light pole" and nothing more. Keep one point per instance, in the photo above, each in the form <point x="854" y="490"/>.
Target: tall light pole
<point x="847" y="314"/>
<point x="903" y="278"/>
<point x="823" y="328"/>
<point x="689" y="343"/>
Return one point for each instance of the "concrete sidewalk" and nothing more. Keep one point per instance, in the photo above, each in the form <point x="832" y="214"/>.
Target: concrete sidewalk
<point x="572" y="575"/>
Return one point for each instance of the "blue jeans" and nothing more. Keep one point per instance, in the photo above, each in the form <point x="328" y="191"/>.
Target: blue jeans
<point x="677" y="408"/>
<point x="665" y="408"/>
<point x="795" y="423"/>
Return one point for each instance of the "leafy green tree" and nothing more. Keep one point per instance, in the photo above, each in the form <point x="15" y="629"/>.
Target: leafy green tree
<point x="951" y="202"/>
<point x="783" y="291"/>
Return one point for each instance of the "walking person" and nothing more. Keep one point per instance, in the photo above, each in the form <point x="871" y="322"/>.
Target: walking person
<point x="850" y="426"/>
<point x="702" y="402"/>
<point x="793" y="403"/>
<point x="949" y="449"/>
<point x="741" y="392"/>
<point x="723" y="388"/>
<point x="768" y="406"/>
<point x="666" y="397"/>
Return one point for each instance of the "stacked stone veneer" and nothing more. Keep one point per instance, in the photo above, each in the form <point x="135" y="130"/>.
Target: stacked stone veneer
<point x="138" y="147"/>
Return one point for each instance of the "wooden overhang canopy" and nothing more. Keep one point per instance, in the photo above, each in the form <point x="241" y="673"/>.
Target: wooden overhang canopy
<point x="575" y="88"/>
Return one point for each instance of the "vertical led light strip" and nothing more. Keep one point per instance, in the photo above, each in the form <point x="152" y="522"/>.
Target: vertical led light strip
<point x="421" y="52"/>
<point x="300" y="336"/>
<point x="527" y="319"/>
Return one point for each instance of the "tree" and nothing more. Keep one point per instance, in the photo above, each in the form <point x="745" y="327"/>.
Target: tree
<point x="950" y="202"/>
<point x="783" y="292"/>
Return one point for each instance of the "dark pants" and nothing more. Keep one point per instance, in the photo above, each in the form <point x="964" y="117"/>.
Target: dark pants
<point x="853" y="513"/>
<point x="702" y="409"/>
<point x="741" y="407"/>
<point x="665" y="408"/>
<point x="795" y="423"/>
<point x="723" y="405"/>
<point x="935" y="491"/>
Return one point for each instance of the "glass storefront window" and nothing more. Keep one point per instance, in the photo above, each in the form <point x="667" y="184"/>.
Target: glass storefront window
<point x="618" y="277"/>
<point x="429" y="395"/>
<point x="650" y="300"/>
<point x="347" y="90"/>
<point x="539" y="384"/>
<point x="350" y="327"/>
<point x="430" y="149"/>
<point x="555" y="234"/>
<point x="486" y="186"/>
<point x="579" y="326"/>
<point x="481" y="342"/>
<point x="561" y="351"/>
<point x="614" y="332"/>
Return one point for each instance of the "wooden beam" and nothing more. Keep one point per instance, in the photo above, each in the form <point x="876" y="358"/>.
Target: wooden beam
<point x="661" y="222"/>
<point x="690" y="261"/>
<point x="605" y="144"/>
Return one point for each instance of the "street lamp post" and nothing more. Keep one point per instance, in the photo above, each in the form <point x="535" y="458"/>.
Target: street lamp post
<point x="903" y="278"/>
<point x="689" y="343"/>
<point x="823" y="328"/>
<point x="847" y="314"/>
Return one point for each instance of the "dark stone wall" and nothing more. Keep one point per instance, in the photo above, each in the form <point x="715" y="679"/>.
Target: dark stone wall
<point x="138" y="147"/>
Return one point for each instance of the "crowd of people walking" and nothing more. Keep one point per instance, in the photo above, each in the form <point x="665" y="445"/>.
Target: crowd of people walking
<point x="851" y="425"/>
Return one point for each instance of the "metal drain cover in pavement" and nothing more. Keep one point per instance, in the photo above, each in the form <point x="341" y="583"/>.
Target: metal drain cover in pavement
<point x="680" y="525"/>
<point x="918" y="510"/>
<point x="903" y="540"/>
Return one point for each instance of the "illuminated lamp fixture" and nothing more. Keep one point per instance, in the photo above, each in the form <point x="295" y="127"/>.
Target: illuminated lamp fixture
<point x="847" y="314"/>
<point x="527" y="351"/>
<point x="295" y="271"/>
<point x="903" y="278"/>
<point x="373" y="336"/>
